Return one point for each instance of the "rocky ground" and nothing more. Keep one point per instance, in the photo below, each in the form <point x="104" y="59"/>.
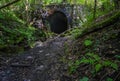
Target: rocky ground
<point x="38" y="64"/>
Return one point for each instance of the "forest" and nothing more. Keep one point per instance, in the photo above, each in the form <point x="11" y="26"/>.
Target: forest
<point x="59" y="40"/>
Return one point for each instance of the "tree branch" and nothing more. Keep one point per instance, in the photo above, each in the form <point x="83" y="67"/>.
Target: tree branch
<point x="8" y="4"/>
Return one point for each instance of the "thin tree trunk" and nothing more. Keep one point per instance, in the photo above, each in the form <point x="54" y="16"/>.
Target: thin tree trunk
<point x="71" y="24"/>
<point x="27" y="10"/>
<point x="95" y="6"/>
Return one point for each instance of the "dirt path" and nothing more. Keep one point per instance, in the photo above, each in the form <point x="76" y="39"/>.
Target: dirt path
<point x="38" y="64"/>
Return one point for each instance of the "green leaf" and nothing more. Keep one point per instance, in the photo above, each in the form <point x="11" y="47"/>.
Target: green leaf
<point x="110" y="64"/>
<point x="77" y="62"/>
<point x="109" y="79"/>
<point x="95" y="56"/>
<point x="91" y="61"/>
<point x="87" y="42"/>
<point x="98" y="67"/>
<point x="84" y="60"/>
<point x="84" y="79"/>
<point x="106" y="63"/>
<point x="114" y="65"/>
<point x="73" y="69"/>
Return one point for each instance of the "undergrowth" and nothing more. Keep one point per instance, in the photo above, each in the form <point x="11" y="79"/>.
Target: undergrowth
<point x="95" y="56"/>
<point x="15" y="33"/>
<point x="92" y="25"/>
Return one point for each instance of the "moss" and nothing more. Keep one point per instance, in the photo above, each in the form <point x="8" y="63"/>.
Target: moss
<point x="109" y="20"/>
<point x="101" y="25"/>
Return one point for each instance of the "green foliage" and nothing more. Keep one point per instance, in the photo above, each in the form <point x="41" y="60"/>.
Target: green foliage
<point x="11" y="36"/>
<point x="95" y="61"/>
<point x="75" y="33"/>
<point x="109" y="79"/>
<point x="14" y="31"/>
<point x="87" y="42"/>
<point x="10" y="15"/>
<point x="89" y="26"/>
<point x="47" y="2"/>
<point x="117" y="56"/>
<point x="98" y="67"/>
<point x="111" y="64"/>
<point x="84" y="79"/>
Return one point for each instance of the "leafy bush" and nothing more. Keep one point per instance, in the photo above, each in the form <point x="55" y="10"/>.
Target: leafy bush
<point x="14" y="31"/>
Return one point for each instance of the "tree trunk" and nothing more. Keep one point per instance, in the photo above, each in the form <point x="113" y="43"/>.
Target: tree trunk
<point x="95" y="6"/>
